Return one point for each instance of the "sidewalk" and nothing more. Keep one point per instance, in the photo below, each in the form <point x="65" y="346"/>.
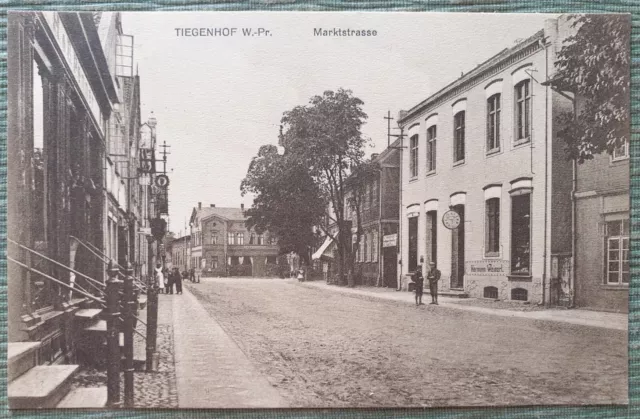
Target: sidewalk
<point x="211" y="370"/>
<point x="580" y="317"/>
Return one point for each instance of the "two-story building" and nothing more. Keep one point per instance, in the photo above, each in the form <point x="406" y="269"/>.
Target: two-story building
<point x="486" y="187"/>
<point x="222" y="245"/>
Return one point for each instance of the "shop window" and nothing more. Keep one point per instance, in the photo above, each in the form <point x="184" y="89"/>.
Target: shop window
<point x="617" y="252"/>
<point x="493" y="123"/>
<point x="432" y="236"/>
<point x="413" y="158"/>
<point x="521" y="234"/>
<point x="491" y="292"/>
<point x="523" y="111"/>
<point x="458" y="132"/>
<point x="431" y="148"/>
<point x="492" y="227"/>
<point x="519" y="294"/>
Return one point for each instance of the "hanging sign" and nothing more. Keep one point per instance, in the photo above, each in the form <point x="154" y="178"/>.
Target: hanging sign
<point x="451" y="219"/>
<point x="162" y="181"/>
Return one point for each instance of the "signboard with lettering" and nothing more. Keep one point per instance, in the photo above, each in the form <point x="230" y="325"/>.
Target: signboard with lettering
<point x="487" y="267"/>
<point x="390" y="240"/>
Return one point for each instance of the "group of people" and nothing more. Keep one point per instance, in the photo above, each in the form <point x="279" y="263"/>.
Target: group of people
<point x="166" y="279"/>
<point x="433" y="276"/>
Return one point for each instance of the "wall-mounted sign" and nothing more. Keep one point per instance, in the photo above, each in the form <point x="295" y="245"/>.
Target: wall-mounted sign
<point x="390" y="240"/>
<point x="145" y="230"/>
<point x="451" y="219"/>
<point x="487" y="267"/>
<point x="162" y="181"/>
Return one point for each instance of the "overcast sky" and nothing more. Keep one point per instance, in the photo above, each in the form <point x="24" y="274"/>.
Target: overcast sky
<point x="218" y="99"/>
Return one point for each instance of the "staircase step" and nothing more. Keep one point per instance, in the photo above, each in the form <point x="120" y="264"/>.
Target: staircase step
<point x="85" y="398"/>
<point x="42" y="386"/>
<point x="88" y="313"/>
<point x="21" y="356"/>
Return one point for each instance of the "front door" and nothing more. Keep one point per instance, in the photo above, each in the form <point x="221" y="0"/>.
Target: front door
<point x="390" y="267"/>
<point x="457" y="251"/>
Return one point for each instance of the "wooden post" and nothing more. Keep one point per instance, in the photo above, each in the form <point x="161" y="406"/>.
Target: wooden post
<point x="113" y="344"/>
<point x="129" y="313"/>
<point x="152" y="324"/>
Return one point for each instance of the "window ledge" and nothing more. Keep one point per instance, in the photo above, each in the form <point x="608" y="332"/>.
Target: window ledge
<point x="523" y="278"/>
<point x="430" y="173"/>
<point x="458" y="163"/>
<point x="618" y="160"/>
<point x="413" y="179"/>
<point x="615" y="287"/>
<point x="492" y="255"/>
<point x="521" y="142"/>
<point x="493" y="152"/>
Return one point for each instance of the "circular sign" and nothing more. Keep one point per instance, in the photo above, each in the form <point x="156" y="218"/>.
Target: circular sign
<point x="162" y="181"/>
<point x="451" y="219"/>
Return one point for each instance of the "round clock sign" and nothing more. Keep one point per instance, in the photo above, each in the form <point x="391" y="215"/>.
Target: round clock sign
<point x="451" y="219"/>
<point x="162" y="181"/>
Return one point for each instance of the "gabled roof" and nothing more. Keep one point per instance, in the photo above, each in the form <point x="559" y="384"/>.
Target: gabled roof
<point x="232" y="214"/>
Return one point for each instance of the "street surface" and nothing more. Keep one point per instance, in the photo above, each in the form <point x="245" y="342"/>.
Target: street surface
<point x="328" y="349"/>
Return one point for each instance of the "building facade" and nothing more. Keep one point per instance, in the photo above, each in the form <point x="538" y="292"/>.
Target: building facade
<point x="221" y="244"/>
<point x="486" y="188"/>
<point x="180" y="253"/>
<point x="602" y="232"/>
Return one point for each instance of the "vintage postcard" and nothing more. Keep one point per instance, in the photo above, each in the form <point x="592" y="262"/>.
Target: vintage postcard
<point x="297" y="210"/>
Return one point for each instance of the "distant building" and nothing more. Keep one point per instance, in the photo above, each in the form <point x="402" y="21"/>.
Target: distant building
<point x="221" y="244"/>
<point x="180" y="253"/>
<point x="486" y="187"/>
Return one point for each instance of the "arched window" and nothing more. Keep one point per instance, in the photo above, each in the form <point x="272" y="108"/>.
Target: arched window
<point x="413" y="155"/>
<point x="491" y="292"/>
<point x="493" y="123"/>
<point x="458" y="136"/>
<point x="523" y="111"/>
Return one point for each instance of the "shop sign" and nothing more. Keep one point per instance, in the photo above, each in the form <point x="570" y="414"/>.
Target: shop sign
<point x="390" y="240"/>
<point x="488" y="267"/>
<point x="145" y="230"/>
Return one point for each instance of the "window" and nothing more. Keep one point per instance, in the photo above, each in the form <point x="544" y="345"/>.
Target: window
<point x="523" y="111"/>
<point x="239" y="238"/>
<point x="365" y="254"/>
<point x="214" y="262"/>
<point x="252" y="238"/>
<point x="261" y="239"/>
<point x="231" y="238"/>
<point x="431" y="148"/>
<point x="432" y="236"/>
<point x="413" y="244"/>
<point x="621" y="152"/>
<point x="617" y="252"/>
<point x="272" y="260"/>
<point x="493" y="123"/>
<point x="519" y="294"/>
<point x="413" y="158"/>
<point x="492" y="227"/>
<point x="520" y="234"/>
<point x="374" y="246"/>
<point x="273" y="240"/>
<point x="214" y="237"/>
<point x="491" y="292"/>
<point x="458" y="133"/>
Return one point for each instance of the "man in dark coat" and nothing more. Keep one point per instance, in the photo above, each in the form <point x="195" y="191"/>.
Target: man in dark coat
<point x="419" y="281"/>
<point x="433" y="276"/>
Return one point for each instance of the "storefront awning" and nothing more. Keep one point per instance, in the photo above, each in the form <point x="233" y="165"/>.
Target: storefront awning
<point x="319" y="253"/>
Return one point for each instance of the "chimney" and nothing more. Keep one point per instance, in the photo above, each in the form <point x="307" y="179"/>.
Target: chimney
<point x="374" y="156"/>
<point x="199" y="205"/>
<point x="213" y="205"/>
<point x="242" y="207"/>
<point x="402" y="114"/>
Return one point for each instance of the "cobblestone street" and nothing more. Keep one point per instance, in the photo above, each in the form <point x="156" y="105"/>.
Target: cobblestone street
<point x="328" y="349"/>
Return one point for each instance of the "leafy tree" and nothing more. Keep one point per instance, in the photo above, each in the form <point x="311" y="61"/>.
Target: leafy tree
<point x="593" y="64"/>
<point x="287" y="202"/>
<point x="325" y="137"/>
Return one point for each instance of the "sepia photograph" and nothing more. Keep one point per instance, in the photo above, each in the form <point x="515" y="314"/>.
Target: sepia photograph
<point x="317" y="210"/>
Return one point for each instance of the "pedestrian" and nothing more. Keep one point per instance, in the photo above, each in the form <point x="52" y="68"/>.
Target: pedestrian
<point x="167" y="281"/>
<point x="177" y="280"/>
<point x="192" y="274"/>
<point x="300" y="275"/>
<point x="159" y="278"/>
<point x="433" y="276"/>
<point x="419" y="281"/>
<point x="185" y="275"/>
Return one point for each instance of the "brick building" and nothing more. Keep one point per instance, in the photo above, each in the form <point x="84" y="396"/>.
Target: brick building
<point x="221" y="244"/>
<point x="486" y="188"/>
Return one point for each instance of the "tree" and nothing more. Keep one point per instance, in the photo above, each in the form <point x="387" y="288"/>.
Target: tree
<point x="287" y="202"/>
<point x="593" y="64"/>
<point x="325" y="137"/>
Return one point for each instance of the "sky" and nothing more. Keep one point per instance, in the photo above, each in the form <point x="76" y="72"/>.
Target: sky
<point x="217" y="99"/>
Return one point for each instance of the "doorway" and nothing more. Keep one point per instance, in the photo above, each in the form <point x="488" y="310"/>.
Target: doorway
<point x="457" y="251"/>
<point x="390" y="263"/>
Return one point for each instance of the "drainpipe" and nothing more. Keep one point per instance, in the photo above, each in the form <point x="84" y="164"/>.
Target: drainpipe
<point x="574" y="187"/>
<point x="546" y="173"/>
<point x="400" y="218"/>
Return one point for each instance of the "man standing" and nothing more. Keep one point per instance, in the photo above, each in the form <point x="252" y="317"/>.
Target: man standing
<point x="419" y="280"/>
<point x="433" y="276"/>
